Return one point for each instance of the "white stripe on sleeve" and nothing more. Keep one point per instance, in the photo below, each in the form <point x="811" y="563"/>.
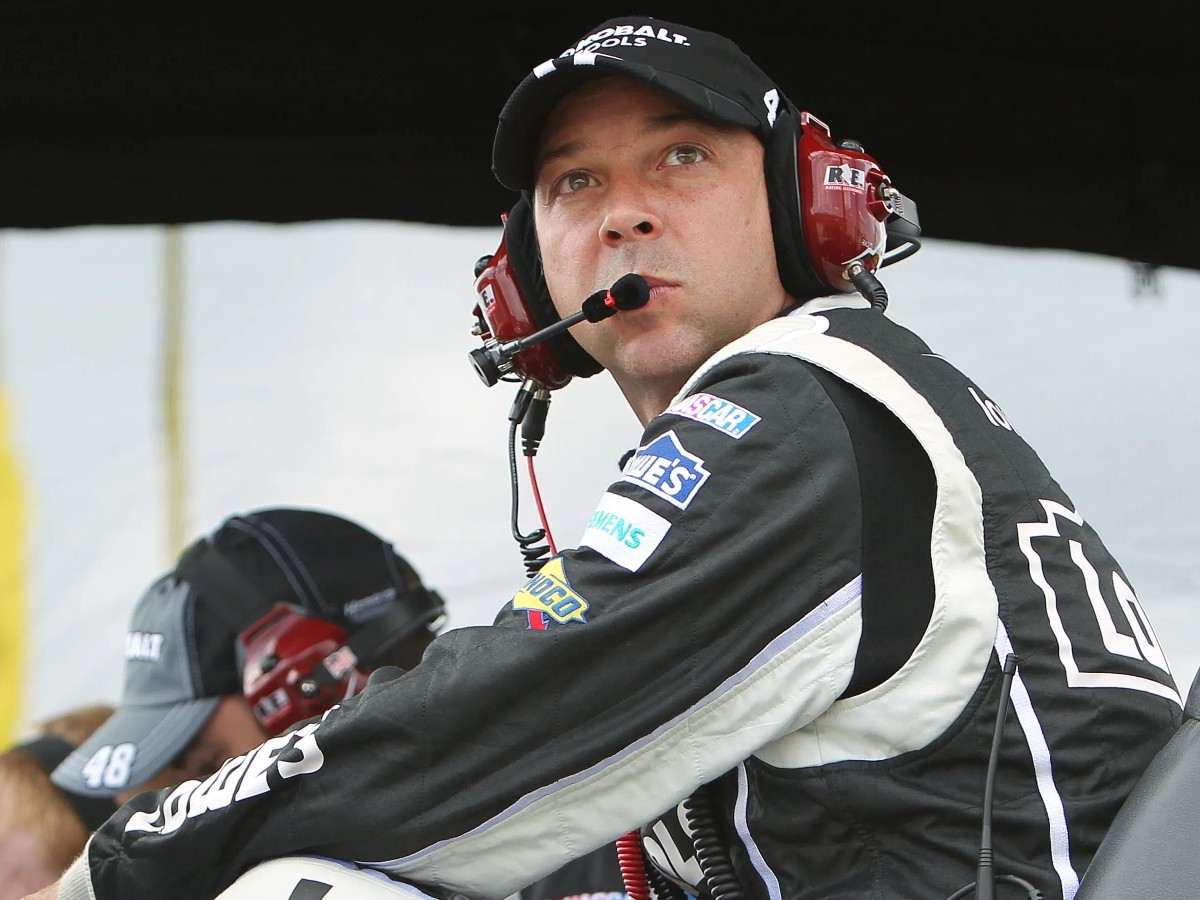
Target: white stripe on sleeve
<point x="1060" y="849"/>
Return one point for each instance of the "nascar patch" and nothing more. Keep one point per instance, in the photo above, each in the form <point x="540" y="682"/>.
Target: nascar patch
<point x="723" y="415"/>
<point x="624" y="531"/>
<point x="548" y="595"/>
<point x="667" y="470"/>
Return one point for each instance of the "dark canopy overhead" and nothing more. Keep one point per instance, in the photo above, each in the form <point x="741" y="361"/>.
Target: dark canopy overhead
<point x="1024" y="125"/>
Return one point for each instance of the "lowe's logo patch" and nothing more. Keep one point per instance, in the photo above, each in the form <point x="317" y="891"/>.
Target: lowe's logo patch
<point x="549" y="594"/>
<point x="728" y="418"/>
<point x="664" y="468"/>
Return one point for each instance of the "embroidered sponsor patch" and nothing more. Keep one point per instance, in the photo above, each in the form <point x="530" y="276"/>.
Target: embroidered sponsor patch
<point x="624" y="531"/>
<point x="667" y="470"/>
<point x="723" y="415"/>
<point x="549" y="595"/>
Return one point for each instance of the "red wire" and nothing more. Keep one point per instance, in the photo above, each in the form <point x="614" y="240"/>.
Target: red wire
<point x="629" y="846"/>
<point x="537" y="498"/>
<point x="632" y="865"/>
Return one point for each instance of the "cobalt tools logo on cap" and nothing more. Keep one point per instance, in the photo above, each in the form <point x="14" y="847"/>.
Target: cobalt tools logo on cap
<point x="705" y="71"/>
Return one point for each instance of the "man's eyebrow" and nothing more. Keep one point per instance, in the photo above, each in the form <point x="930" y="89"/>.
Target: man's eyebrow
<point x="653" y="124"/>
<point x="669" y="120"/>
<point x="557" y="153"/>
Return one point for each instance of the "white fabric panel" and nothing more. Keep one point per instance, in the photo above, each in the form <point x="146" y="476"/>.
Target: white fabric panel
<point x="920" y="701"/>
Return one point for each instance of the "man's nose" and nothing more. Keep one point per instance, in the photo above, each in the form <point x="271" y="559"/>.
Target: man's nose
<point x="628" y="219"/>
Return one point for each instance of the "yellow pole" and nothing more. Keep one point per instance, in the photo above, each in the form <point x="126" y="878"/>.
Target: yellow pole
<point x="13" y="573"/>
<point x="172" y="377"/>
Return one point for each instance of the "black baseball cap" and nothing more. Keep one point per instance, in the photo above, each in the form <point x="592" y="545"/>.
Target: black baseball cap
<point x="181" y="648"/>
<point x="705" y="71"/>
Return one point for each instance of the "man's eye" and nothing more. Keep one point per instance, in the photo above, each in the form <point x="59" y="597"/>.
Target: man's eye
<point x="572" y="182"/>
<point x="685" y="155"/>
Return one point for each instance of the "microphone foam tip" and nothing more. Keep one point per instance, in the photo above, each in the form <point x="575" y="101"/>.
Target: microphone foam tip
<point x="630" y="291"/>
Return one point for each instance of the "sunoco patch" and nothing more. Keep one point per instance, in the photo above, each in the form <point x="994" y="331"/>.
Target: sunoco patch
<point x="667" y="470"/>
<point x="723" y="415"/>
<point x="549" y="595"/>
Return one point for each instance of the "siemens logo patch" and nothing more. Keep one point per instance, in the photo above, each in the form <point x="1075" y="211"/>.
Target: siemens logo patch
<point x="617" y="526"/>
<point x="728" y="418"/>
<point x="624" y="531"/>
<point x="667" y="470"/>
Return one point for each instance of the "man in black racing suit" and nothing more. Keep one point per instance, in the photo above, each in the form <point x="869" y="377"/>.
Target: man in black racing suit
<point x="798" y="591"/>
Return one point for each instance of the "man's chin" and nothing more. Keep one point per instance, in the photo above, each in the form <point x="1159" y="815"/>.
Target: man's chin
<point x="656" y="358"/>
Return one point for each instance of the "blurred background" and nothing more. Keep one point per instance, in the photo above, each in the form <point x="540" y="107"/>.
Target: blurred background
<point x="235" y="271"/>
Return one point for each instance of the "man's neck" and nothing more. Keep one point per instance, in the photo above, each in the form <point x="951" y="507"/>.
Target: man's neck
<point x="649" y="398"/>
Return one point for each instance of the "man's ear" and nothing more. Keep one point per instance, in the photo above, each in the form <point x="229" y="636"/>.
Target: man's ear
<point x="525" y="259"/>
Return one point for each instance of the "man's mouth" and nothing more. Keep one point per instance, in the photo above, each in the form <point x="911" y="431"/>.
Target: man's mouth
<point x="658" y="286"/>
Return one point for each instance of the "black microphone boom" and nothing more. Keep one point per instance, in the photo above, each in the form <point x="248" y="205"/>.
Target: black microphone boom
<point x="628" y="292"/>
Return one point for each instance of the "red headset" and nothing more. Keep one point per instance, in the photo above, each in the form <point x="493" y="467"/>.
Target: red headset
<point x="284" y="653"/>
<point x="296" y="664"/>
<point x="835" y="217"/>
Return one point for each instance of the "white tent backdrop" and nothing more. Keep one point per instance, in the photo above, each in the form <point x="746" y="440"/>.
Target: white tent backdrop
<point x="324" y="367"/>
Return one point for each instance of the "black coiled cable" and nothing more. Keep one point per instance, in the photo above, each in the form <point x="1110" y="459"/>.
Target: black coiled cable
<point x="869" y="286"/>
<point x="711" y="852"/>
<point x="663" y="887"/>
<point x="533" y="553"/>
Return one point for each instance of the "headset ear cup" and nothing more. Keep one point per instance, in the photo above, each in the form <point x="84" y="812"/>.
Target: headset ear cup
<point x="781" y="167"/>
<point x="525" y="260"/>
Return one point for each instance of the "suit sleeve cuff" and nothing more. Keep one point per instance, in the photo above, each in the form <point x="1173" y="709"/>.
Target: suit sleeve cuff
<point x="76" y="882"/>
